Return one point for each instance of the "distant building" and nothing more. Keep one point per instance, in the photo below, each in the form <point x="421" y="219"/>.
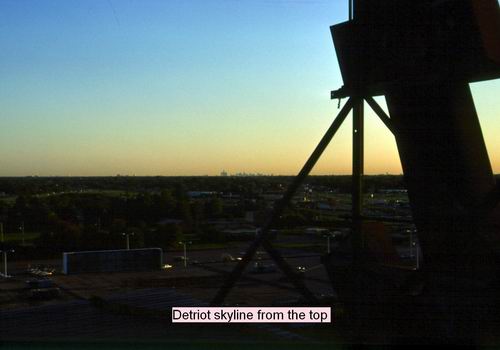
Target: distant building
<point x="201" y="194"/>
<point x="169" y="221"/>
<point x="324" y="206"/>
<point x="240" y="232"/>
<point x="393" y="191"/>
<point x="271" y="196"/>
<point x="223" y="173"/>
<point x="316" y="231"/>
<point x="148" y="259"/>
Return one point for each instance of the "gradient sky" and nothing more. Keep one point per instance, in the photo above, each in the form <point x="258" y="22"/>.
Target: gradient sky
<point x="181" y="87"/>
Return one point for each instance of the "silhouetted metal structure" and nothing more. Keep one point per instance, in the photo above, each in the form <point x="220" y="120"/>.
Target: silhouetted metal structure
<point x="421" y="55"/>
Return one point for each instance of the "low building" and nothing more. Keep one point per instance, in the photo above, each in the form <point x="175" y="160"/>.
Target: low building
<point x="148" y="259"/>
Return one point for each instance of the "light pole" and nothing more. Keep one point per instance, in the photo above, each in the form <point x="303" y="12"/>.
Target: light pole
<point x="127" y="236"/>
<point x="328" y="237"/>
<point x="328" y="243"/>
<point x="5" y="261"/>
<point x="184" y="244"/>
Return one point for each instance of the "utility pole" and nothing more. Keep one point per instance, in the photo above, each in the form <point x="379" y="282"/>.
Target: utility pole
<point x="185" y="251"/>
<point x="5" y="274"/>
<point x="127" y="237"/>
<point x="328" y="246"/>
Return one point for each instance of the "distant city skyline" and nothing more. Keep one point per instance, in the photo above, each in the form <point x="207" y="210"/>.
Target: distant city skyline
<point x="182" y="87"/>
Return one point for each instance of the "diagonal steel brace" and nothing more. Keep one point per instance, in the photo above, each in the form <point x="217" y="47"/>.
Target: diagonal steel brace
<point x="262" y="238"/>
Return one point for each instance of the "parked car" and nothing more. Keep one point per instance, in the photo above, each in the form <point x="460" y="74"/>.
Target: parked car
<point x="41" y="270"/>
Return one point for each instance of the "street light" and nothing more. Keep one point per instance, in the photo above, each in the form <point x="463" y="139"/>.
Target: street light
<point x="185" y="252"/>
<point x="328" y="237"/>
<point x="127" y="236"/>
<point x="5" y="261"/>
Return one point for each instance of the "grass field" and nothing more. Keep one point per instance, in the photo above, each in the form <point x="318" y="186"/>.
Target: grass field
<point x="16" y="237"/>
<point x="10" y="200"/>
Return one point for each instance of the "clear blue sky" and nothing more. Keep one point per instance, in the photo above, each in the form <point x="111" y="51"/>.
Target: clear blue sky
<point x="179" y="87"/>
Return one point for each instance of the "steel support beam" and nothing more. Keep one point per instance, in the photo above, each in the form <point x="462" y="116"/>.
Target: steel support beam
<point x="357" y="206"/>
<point x="357" y="174"/>
<point x="279" y="207"/>
<point x="380" y="112"/>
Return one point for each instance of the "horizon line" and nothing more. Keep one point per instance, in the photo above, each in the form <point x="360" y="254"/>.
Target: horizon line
<point x="221" y="176"/>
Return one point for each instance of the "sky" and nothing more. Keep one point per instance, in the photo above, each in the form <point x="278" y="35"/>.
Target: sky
<point x="182" y="87"/>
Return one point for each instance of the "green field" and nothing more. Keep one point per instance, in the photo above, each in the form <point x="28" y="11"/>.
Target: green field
<point x="17" y="237"/>
<point x="10" y="200"/>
